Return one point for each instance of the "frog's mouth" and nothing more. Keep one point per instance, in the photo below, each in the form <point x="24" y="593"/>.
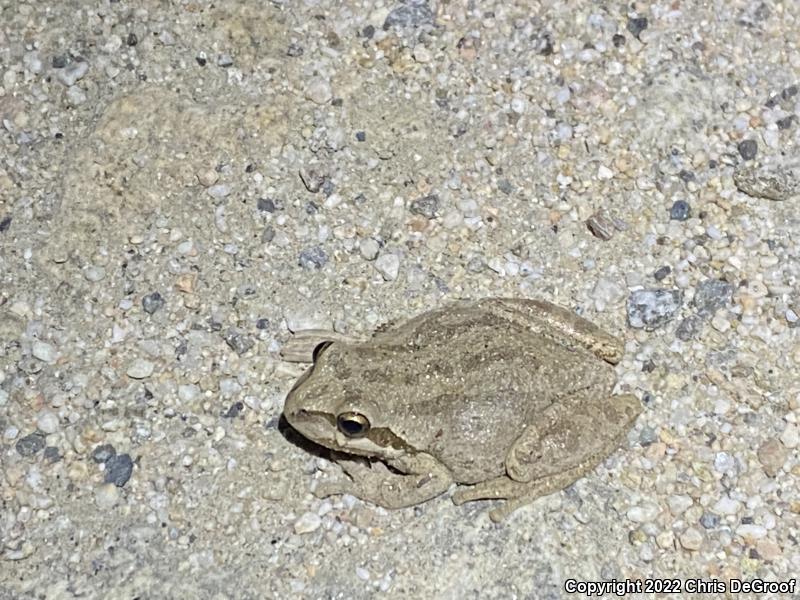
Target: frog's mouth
<point x="320" y="427"/>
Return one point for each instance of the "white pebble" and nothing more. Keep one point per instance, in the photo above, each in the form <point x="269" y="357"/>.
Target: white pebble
<point x="604" y="173"/>
<point x="140" y="369"/>
<point x="70" y="74"/>
<point x="188" y="392"/>
<point x="44" y="351"/>
<point x="319" y="91"/>
<point x="47" y="422"/>
<point x="106" y="496"/>
<point x="791" y="436"/>
<point x="219" y="191"/>
<point x="679" y="503"/>
<point x="388" y="265"/>
<point x="727" y="506"/>
<point x="94" y="274"/>
<point x="307" y="523"/>
<point x="643" y="513"/>
<point x="369" y="249"/>
<point x="752" y="531"/>
<point x="362" y="573"/>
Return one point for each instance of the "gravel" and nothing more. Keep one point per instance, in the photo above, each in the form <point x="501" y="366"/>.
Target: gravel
<point x="182" y="189"/>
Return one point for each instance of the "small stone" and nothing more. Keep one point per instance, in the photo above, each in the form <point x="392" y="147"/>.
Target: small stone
<point x="307" y="523"/>
<point x="312" y="180"/>
<point x="748" y="149"/>
<point x="361" y="136"/>
<point x="388" y="265"/>
<point x="312" y="258"/>
<point x="268" y="234"/>
<point x="505" y="186"/>
<point x="44" y="351"/>
<point x="662" y="272"/>
<point x="643" y="513"/>
<point x="94" y="274"/>
<point x="207" y="177"/>
<point x="153" y="302"/>
<point x="47" y="422"/>
<point x="369" y="249"/>
<point x="422" y="54"/>
<point x="791" y="436"/>
<point x="652" y="308"/>
<point x="772" y="455"/>
<point x="751" y="532"/>
<point x="30" y="444"/>
<point x="140" y="369"/>
<point x="219" y="191"/>
<point x="691" y="539"/>
<point x="689" y="328"/>
<point x="679" y="503"/>
<point x="118" y="469"/>
<point x="71" y="74"/>
<point x="648" y="436"/>
<point x="637" y="25"/>
<point x="604" y="173"/>
<point x="680" y="211"/>
<point x="319" y="91"/>
<point x="106" y="496"/>
<point x="103" y="453"/>
<point x="51" y="454"/>
<point x="412" y="14"/>
<point x="775" y="182"/>
<point x="601" y="226"/>
<point x="237" y="341"/>
<point x="712" y="295"/>
<point x="769" y="550"/>
<point x="294" y="50"/>
<point x="709" y="520"/>
<point x="266" y="205"/>
<point x="727" y="506"/>
<point x="427" y="206"/>
<point x="234" y="410"/>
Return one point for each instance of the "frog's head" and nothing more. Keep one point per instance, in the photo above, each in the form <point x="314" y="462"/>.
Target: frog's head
<point x="329" y="406"/>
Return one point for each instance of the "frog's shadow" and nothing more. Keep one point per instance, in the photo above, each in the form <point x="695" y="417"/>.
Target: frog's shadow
<point x="294" y="437"/>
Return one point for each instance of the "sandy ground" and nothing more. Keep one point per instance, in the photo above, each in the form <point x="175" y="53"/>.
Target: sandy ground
<point x="182" y="184"/>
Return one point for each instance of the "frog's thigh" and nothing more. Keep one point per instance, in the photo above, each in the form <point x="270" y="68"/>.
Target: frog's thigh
<point x="571" y="437"/>
<point x="388" y="489"/>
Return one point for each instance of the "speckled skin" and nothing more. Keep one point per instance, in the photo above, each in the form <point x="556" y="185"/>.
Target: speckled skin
<point x="510" y="396"/>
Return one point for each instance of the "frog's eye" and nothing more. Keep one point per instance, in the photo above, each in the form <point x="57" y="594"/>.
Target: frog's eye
<point x="319" y="349"/>
<point x="353" y="424"/>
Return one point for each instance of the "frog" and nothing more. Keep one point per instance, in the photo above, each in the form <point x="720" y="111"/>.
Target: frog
<point x="508" y="398"/>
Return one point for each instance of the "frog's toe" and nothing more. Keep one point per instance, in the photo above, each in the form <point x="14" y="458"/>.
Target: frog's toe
<point x="333" y="488"/>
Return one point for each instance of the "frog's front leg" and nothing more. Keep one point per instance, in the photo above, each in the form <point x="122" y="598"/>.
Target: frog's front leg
<point x="418" y="479"/>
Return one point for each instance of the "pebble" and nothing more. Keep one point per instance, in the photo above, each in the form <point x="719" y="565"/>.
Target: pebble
<point x="680" y="210"/>
<point x="140" y="368"/>
<point x="679" y="503"/>
<point x="643" y="513"/>
<point x="118" y="469"/>
<point x="238" y="341"/>
<point x="388" y="265"/>
<point x="601" y="226"/>
<point x="30" y="444"/>
<point x="747" y="149"/>
<point x="652" y="308"/>
<point x="312" y="258"/>
<point x="44" y="351"/>
<point x="727" y="506"/>
<point x="73" y="73"/>
<point x="369" y="249"/>
<point x="712" y="295"/>
<point x="791" y="436"/>
<point x="106" y="496"/>
<point x="772" y="455"/>
<point x="319" y="91"/>
<point x="751" y="532"/>
<point x="427" y="206"/>
<point x="94" y="274"/>
<point x="775" y="182"/>
<point x="709" y="520"/>
<point x="103" y="453"/>
<point x="153" y="302"/>
<point x="47" y="422"/>
<point x="691" y="539"/>
<point x="661" y="273"/>
<point x="637" y="25"/>
<point x="188" y="392"/>
<point x="219" y="191"/>
<point x="307" y="523"/>
<point x="412" y="14"/>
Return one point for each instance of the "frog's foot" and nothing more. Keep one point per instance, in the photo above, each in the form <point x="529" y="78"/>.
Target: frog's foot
<point x="516" y="493"/>
<point x="379" y="485"/>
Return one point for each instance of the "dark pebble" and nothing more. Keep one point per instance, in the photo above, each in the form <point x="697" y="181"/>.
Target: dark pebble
<point x="786" y="123"/>
<point x="51" y="454"/>
<point x="268" y="234"/>
<point x="414" y="13"/>
<point x="237" y="341"/>
<point x="266" y="205"/>
<point x="233" y="411"/>
<point x="328" y="187"/>
<point x="294" y="50"/>
<point x="59" y="61"/>
<point x="789" y="92"/>
<point x="647" y="436"/>
<point x="30" y="444"/>
<point x="368" y="32"/>
<point x="152" y="302"/>
<point x="686" y="176"/>
<point x="201" y="61"/>
<point x="651" y="308"/>
<point x="427" y="206"/>
<point x="680" y="210"/>
<point x="618" y="40"/>
<point x="637" y="25"/>
<point x="132" y="39"/>
<point x="119" y="469"/>
<point x="712" y="294"/>
<point x="748" y="149"/>
<point x="505" y="186"/>
<point x="312" y="258"/>
<point x="361" y="136"/>
<point x="689" y="328"/>
<point x="262" y="324"/>
<point x="709" y="520"/>
<point x="5" y="223"/>
<point x="662" y="272"/>
<point x="103" y="453"/>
